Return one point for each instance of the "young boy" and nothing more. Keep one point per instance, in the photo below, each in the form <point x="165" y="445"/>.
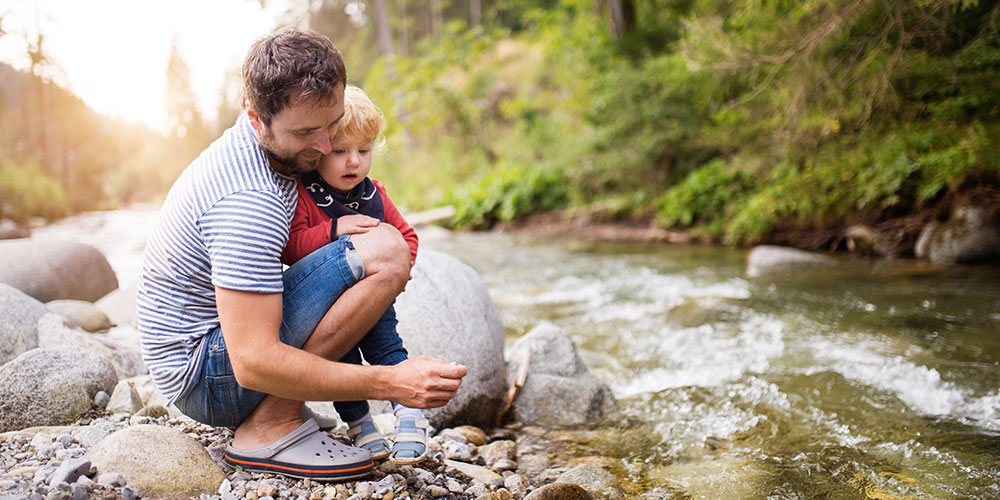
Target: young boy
<point x="337" y="200"/>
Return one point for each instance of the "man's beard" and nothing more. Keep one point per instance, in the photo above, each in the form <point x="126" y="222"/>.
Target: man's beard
<point x="292" y="166"/>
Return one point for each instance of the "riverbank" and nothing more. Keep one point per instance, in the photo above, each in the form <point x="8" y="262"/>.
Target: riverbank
<point x="512" y="462"/>
<point x="890" y="233"/>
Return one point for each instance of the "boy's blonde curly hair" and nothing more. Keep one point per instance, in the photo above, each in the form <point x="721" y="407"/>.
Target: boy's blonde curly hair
<point x="362" y="118"/>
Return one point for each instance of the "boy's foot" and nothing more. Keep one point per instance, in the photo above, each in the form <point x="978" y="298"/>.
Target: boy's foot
<point x="366" y="436"/>
<point x="409" y="445"/>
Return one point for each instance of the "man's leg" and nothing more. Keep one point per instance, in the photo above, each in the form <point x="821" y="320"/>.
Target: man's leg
<point x="386" y="270"/>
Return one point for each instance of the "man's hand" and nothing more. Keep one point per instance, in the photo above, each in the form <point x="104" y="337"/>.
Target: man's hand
<point x="426" y="382"/>
<point x="355" y="224"/>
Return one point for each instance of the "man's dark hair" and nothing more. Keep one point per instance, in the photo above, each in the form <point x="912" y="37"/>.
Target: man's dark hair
<point x="289" y="64"/>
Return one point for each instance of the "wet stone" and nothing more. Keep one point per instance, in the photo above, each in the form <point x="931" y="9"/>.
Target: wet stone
<point x="437" y="491"/>
<point x="130" y="493"/>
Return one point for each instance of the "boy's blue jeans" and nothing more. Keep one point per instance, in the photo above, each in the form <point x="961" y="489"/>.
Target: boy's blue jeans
<point x="311" y="286"/>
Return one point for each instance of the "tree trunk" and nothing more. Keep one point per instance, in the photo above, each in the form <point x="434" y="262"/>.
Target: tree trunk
<point x="384" y="32"/>
<point x="475" y="13"/>
<point x="622" y="17"/>
<point x="436" y="20"/>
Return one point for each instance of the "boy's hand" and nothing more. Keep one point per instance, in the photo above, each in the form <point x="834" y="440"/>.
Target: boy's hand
<point x="355" y="224"/>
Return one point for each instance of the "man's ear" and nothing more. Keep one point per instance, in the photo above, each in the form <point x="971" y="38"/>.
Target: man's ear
<point x="255" y="120"/>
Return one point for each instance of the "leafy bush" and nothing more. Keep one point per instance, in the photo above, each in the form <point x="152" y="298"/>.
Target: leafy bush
<point x="508" y="193"/>
<point x="26" y="191"/>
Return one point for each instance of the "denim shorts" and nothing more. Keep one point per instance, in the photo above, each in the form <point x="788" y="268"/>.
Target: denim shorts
<point x="311" y="286"/>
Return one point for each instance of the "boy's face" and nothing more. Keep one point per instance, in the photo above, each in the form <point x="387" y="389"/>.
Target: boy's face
<point x="348" y="163"/>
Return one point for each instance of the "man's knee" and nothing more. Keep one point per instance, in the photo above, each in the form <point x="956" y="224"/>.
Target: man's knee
<point x="383" y="250"/>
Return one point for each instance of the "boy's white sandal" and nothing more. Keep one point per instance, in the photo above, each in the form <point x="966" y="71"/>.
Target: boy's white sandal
<point x="409" y="444"/>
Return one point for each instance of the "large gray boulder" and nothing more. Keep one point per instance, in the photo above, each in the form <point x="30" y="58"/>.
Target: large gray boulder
<point x="971" y="235"/>
<point x="10" y="230"/>
<point x="559" y="390"/>
<point x="51" y="386"/>
<point x="19" y="315"/>
<point x="766" y="259"/>
<point x="121" y="345"/>
<point x="447" y="312"/>
<point x="56" y="270"/>
<point x="159" y="461"/>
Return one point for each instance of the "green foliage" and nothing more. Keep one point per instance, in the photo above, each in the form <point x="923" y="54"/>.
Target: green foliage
<point x="732" y="119"/>
<point x="507" y="193"/>
<point x="704" y="196"/>
<point x="26" y="191"/>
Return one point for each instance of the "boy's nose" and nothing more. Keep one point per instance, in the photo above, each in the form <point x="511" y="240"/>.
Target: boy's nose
<point x="353" y="160"/>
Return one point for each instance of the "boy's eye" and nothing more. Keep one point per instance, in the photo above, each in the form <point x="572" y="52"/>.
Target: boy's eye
<point x="339" y="151"/>
<point x="363" y="151"/>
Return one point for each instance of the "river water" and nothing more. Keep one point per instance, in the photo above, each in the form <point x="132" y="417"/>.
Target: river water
<point x="868" y="379"/>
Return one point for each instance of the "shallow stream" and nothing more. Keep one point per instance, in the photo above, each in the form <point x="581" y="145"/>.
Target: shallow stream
<point x="869" y="379"/>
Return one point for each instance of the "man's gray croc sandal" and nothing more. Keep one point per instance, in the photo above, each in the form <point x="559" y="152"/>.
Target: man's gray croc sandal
<point x="409" y="445"/>
<point x="305" y="453"/>
<point x="367" y="436"/>
<point x="325" y="422"/>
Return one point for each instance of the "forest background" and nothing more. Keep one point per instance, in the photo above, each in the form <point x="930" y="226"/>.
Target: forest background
<point x="735" y="121"/>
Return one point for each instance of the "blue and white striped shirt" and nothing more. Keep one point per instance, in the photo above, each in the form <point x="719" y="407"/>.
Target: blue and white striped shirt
<point x="224" y="223"/>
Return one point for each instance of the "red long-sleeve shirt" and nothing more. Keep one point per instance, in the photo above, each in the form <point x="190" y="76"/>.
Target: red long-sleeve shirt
<point x="311" y="227"/>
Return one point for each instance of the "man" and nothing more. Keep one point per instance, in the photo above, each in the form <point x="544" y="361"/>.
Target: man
<point x="229" y="337"/>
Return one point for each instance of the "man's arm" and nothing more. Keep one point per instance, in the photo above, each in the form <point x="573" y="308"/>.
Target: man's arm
<point x="261" y="362"/>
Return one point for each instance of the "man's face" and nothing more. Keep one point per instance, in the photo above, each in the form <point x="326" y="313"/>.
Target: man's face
<point x="299" y="135"/>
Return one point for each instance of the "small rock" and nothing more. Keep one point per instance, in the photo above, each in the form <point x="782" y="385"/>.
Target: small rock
<point x="503" y="494"/>
<point x="595" y="480"/>
<point x="153" y="411"/>
<point x="498" y="450"/>
<point x="437" y="491"/>
<point x="240" y="476"/>
<point x="23" y="471"/>
<point x="384" y="486"/>
<point x="365" y="489"/>
<point x="516" y="484"/>
<point x="65" y="439"/>
<point x="70" y="470"/>
<point x="130" y="493"/>
<point x="559" y="491"/>
<point x="86" y="482"/>
<point x="101" y="399"/>
<point x="767" y="259"/>
<point x="451" y="435"/>
<point x="454" y="450"/>
<point x="266" y="490"/>
<point x="112" y="479"/>
<point x="477" y="490"/>
<point x="454" y="487"/>
<point x="476" y="472"/>
<point x="473" y="435"/>
<point x="124" y="399"/>
<point x="81" y="314"/>
<point x="505" y="464"/>
<point x="93" y="434"/>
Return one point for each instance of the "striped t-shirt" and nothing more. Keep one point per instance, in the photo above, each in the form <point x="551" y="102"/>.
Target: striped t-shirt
<point x="224" y="223"/>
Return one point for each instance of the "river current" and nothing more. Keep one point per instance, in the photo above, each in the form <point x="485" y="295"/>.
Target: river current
<point x="867" y="379"/>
